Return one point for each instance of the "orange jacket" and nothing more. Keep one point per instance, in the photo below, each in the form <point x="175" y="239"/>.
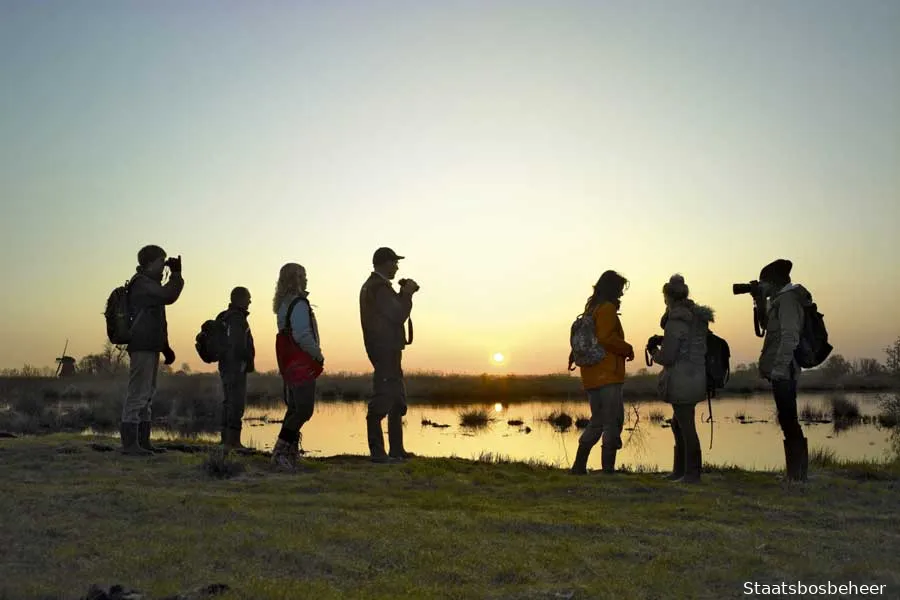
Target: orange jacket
<point x="609" y="333"/>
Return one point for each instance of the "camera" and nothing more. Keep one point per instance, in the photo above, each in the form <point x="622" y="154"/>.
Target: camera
<point x="403" y="282"/>
<point x="654" y="342"/>
<point x="751" y="288"/>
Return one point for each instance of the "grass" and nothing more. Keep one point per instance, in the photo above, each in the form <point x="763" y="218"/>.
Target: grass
<point x="560" y="420"/>
<point x="657" y="416"/>
<point x="428" y="528"/>
<point x="889" y="416"/>
<point x="808" y="414"/>
<point x="474" y="418"/>
<point x="842" y="408"/>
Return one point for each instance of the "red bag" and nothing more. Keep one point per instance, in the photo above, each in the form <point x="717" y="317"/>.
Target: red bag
<point x="295" y="364"/>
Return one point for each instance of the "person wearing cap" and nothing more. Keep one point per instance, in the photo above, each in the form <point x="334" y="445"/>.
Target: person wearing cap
<point x="383" y="311"/>
<point x="237" y="360"/>
<point x="784" y="322"/>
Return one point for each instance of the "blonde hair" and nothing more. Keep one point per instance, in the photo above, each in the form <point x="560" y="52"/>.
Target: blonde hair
<point x="676" y="289"/>
<point x="287" y="284"/>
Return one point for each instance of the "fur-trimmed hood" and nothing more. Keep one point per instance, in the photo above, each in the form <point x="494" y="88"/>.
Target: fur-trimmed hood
<point x="688" y="310"/>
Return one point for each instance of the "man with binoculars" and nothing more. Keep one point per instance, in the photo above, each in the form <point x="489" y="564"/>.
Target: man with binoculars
<point x="778" y="315"/>
<point x="147" y="300"/>
<point x="383" y="312"/>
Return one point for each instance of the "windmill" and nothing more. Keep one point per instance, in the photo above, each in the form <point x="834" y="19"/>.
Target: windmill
<point x="65" y="364"/>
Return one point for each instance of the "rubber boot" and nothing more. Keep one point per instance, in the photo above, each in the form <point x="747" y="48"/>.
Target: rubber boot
<point x="144" y="438"/>
<point x="792" y="460"/>
<point x="693" y="465"/>
<point x="129" y="434"/>
<point x="395" y="438"/>
<point x="224" y="440"/>
<point x="608" y="459"/>
<point x="281" y="455"/>
<point x="579" y="467"/>
<point x="232" y="439"/>
<point x="376" y="442"/>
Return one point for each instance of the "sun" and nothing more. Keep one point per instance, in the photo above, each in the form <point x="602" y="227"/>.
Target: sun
<point x="498" y="358"/>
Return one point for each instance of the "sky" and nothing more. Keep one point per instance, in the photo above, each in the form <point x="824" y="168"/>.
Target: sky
<point x="511" y="150"/>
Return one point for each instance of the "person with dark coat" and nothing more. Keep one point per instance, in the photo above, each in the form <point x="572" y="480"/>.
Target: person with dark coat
<point x="383" y="311"/>
<point x="147" y="301"/>
<point x="783" y="324"/>
<point x="682" y="382"/>
<point x="237" y="360"/>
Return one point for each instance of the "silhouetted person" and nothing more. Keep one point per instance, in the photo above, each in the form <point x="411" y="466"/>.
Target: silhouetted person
<point x="147" y="299"/>
<point x="784" y="322"/>
<point x="237" y="360"/>
<point x="682" y="382"/>
<point x="603" y="381"/>
<point x="383" y="312"/>
<point x="301" y="398"/>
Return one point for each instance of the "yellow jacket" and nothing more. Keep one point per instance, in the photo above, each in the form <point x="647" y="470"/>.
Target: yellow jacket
<point x="609" y="333"/>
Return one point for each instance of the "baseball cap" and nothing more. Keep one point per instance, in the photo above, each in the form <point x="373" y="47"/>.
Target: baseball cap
<point x="384" y="255"/>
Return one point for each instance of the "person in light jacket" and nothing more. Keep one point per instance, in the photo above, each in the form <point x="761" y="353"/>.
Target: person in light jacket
<point x="682" y="382"/>
<point x="301" y="398"/>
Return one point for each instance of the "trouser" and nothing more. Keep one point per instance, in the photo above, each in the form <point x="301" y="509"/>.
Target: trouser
<point x="301" y="401"/>
<point x="785" y="394"/>
<point x="142" y="370"/>
<point x="607" y="417"/>
<point x="234" y="387"/>
<point x="684" y="427"/>
<point x="388" y="399"/>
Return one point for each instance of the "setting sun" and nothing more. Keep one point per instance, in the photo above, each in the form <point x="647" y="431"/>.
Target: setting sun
<point x="498" y="358"/>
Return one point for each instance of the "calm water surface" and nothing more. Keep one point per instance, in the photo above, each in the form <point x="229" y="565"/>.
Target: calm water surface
<point x="755" y="443"/>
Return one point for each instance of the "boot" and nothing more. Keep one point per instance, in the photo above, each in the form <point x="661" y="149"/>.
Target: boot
<point x="792" y="460"/>
<point x="224" y="440"/>
<point x="281" y="455"/>
<point x="693" y="465"/>
<point x="129" y="434"/>
<point x="608" y="459"/>
<point x="804" y="458"/>
<point x="144" y="438"/>
<point x="376" y="442"/>
<point x="232" y="439"/>
<point x="677" y="464"/>
<point x="579" y="467"/>
<point x="395" y="438"/>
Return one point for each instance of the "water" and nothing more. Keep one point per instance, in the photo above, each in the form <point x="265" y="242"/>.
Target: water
<point x="756" y="444"/>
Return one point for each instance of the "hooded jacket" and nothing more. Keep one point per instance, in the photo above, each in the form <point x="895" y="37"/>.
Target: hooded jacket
<point x="241" y="354"/>
<point x="147" y="300"/>
<point x="683" y="352"/>
<point x="784" y="322"/>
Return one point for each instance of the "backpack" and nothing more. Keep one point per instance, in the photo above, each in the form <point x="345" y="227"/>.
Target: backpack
<point x="813" y="348"/>
<point x="718" y="369"/>
<point x="295" y="364"/>
<point x="212" y="341"/>
<point x="118" y="316"/>
<point x="586" y="350"/>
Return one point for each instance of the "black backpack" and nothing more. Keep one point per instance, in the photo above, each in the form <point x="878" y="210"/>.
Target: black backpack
<point x="212" y="341"/>
<point x="813" y="348"/>
<point x="718" y="370"/>
<point x="118" y="316"/>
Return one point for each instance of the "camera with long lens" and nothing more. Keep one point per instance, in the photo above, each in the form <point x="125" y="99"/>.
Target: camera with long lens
<point x="751" y="288"/>
<point x="759" y="304"/>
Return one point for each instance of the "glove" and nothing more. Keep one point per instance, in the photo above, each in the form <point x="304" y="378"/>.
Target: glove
<point x="174" y="264"/>
<point x="169" y="354"/>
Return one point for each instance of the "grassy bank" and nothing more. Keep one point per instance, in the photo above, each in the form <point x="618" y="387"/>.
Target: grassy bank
<point x="431" y="528"/>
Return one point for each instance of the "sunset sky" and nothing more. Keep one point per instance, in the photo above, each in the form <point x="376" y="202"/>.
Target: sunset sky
<point x="512" y="151"/>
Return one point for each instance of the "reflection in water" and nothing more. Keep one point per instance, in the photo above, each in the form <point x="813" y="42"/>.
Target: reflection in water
<point x="744" y="431"/>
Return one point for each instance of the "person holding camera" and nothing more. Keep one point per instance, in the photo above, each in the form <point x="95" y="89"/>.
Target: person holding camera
<point x="237" y="360"/>
<point x="783" y="323"/>
<point x="383" y="311"/>
<point x="147" y="301"/>
<point x="682" y="383"/>
<point x="300" y="398"/>
<point x="603" y="381"/>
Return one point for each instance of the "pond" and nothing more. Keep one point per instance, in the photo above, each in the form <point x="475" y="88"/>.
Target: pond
<point x="744" y="431"/>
